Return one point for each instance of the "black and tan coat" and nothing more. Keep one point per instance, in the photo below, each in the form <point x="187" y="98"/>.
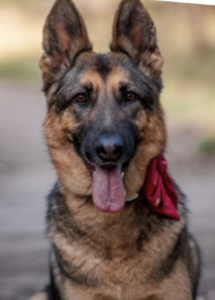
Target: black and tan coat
<point x="130" y="254"/>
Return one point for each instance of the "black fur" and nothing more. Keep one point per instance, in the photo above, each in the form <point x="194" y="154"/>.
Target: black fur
<point x="129" y="238"/>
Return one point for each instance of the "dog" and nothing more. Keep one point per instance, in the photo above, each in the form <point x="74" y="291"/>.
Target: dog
<point x="111" y="237"/>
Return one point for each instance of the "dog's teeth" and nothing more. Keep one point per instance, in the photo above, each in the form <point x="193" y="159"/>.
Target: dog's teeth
<point x="135" y="196"/>
<point x="123" y="174"/>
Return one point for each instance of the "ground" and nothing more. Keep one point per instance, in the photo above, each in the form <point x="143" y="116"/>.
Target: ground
<point x="27" y="176"/>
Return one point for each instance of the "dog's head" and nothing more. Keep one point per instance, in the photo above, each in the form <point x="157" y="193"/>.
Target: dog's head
<point x="104" y="118"/>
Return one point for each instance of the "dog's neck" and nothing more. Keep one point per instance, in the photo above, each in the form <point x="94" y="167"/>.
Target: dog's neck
<point x="79" y="214"/>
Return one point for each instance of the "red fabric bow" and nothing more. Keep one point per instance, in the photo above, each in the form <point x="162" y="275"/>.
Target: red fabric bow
<point x="159" y="190"/>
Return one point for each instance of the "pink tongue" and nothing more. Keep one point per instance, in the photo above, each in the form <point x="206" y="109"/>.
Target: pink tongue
<point x="108" y="190"/>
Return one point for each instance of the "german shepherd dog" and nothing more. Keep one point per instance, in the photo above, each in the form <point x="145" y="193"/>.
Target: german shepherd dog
<point x="104" y="127"/>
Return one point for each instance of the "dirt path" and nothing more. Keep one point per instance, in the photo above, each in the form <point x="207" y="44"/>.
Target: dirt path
<point x="26" y="176"/>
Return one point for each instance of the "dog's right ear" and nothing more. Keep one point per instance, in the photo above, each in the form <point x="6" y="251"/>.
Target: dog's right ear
<point x="134" y="33"/>
<point x="64" y="38"/>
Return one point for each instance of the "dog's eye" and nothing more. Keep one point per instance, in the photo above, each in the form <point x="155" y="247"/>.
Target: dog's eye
<point x="130" y="97"/>
<point x="80" y="99"/>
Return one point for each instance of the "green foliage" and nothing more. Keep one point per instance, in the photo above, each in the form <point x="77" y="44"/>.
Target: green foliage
<point x="20" y="69"/>
<point x="207" y="146"/>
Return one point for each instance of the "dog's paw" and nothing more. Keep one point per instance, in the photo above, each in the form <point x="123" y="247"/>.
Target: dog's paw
<point x="40" y="296"/>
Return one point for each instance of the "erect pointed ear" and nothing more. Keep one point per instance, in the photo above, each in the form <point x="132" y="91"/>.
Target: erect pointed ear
<point x="64" y="37"/>
<point x="134" y="33"/>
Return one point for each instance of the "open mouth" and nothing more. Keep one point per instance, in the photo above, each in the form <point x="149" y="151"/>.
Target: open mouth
<point x="108" y="189"/>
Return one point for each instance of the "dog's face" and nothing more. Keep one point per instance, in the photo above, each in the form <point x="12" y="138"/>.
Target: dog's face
<point x="104" y="122"/>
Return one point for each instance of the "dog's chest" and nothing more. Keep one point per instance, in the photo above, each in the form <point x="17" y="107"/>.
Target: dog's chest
<point x="117" y="258"/>
<point x="118" y="277"/>
<point x="119" y="272"/>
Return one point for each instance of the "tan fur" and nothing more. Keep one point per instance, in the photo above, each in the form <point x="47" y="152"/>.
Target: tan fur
<point x="107" y="267"/>
<point x="74" y="176"/>
<point x="131" y="254"/>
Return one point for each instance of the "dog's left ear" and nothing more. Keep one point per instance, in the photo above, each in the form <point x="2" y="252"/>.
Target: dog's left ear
<point x="64" y="37"/>
<point x="134" y="33"/>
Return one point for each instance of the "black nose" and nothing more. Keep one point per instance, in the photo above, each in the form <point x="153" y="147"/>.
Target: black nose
<point x="109" y="147"/>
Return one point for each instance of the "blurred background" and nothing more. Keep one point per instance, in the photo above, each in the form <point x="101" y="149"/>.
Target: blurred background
<point x="186" y="34"/>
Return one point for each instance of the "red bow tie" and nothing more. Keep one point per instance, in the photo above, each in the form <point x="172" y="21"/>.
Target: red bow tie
<point x="159" y="190"/>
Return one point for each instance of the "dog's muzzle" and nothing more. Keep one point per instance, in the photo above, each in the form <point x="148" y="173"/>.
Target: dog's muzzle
<point x="107" y="154"/>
